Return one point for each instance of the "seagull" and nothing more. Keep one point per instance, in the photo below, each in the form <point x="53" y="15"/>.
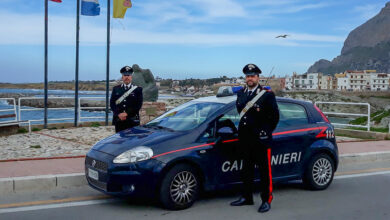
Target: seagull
<point x="282" y="36"/>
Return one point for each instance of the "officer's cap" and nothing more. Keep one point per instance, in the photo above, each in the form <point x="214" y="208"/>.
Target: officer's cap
<point x="251" y="70"/>
<point x="126" y="70"/>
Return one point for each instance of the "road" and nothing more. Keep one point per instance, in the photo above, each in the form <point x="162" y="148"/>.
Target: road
<point x="359" y="191"/>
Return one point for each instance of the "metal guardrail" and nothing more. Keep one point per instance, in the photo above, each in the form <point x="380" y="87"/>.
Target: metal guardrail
<point x="368" y="115"/>
<point x="20" y="109"/>
<point x="15" y="121"/>
<point x="79" y="109"/>
<point x="10" y="110"/>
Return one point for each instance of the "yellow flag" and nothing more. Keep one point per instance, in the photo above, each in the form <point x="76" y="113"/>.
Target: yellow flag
<point x="120" y="7"/>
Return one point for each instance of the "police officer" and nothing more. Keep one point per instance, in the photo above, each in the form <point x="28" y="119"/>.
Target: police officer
<point x="258" y="119"/>
<point x="126" y="101"/>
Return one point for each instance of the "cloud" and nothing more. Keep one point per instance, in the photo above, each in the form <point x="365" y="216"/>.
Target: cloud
<point x="367" y="11"/>
<point x="28" y="30"/>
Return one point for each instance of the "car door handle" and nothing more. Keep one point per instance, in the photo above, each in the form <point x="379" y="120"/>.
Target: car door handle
<point x="312" y="132"/>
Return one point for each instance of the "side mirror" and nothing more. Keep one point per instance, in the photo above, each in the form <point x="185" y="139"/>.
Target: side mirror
<point x="225" y="132"/>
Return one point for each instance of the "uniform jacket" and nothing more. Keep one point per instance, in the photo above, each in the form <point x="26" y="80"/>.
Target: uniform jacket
<point x="131" y="104"/>
<point x="262" y="118"/>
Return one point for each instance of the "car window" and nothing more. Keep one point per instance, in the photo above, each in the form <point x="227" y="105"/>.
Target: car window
<point x="233" y="116"/>
<point x="187" y="116"/>
<point x="291" y="114"/>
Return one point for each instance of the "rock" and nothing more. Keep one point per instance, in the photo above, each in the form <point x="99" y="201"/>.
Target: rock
<point x="319" y="65"/>
<point x="366" y="47"/>
<point x="145" y="79"/>
<point x="371" y="33"/>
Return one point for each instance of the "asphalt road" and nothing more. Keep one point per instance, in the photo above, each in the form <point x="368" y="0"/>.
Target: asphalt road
<point x="355" y="194"/>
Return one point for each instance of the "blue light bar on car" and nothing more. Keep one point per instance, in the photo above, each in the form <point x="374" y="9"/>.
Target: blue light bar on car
<point x="236" y="89"/>
<point x="225" y="91"/>
<point x="228" y="90"/>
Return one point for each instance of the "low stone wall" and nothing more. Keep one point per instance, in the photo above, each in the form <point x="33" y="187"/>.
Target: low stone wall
<point x="151" y="110"/>
<point x="362" y="134"/>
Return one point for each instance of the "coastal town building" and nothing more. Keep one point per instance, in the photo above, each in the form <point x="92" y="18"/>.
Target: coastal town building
<point x="359" y="80"/>
<point x="307" y="81"/>
<point x="350" y="80"/>
<point x="325" y="82"/>
<point x="380" y="81"/>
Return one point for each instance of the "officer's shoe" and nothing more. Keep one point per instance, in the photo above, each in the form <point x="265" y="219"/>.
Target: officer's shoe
<point x="242" y="201"/>
<point x="265" y="207"/>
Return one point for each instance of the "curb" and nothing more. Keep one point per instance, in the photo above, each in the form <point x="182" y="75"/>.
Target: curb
<point x="365" y="157"/>
<point x="50" y="182"/>
<point x="40" y="183"/>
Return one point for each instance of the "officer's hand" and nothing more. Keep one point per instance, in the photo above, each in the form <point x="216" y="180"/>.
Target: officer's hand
<point x="122" y="116"/>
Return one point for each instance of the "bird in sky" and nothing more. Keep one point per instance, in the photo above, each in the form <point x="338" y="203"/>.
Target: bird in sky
<point x="282" y="36"/>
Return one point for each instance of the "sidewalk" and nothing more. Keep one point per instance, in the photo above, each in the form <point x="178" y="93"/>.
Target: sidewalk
<point x="46" y="173"/>
<point x="76" y="165"/>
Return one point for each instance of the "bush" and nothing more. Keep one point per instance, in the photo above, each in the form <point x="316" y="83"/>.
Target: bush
<point x="35" y="146"/>
<point x="36" y="129"/>
<point x="376" y="117"/>
<point x="95" y="124"/>
<point x="52" y="128"/>
<point x="22" y="131"/>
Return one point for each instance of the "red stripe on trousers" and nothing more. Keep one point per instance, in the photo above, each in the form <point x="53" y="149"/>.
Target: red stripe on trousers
<point x="270" y="176"/>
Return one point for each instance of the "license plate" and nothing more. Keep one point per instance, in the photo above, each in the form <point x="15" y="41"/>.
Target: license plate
<point x="93" y="174"/>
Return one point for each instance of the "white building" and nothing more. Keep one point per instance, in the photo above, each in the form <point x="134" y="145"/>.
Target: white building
<point x="343" y="83"/>
<point x="307" y="81"/>
<point x="359" y="80"/>
<point x="290" y="82"/>
<point x="379" y="81"/>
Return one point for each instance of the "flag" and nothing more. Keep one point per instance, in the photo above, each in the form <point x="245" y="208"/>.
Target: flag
<point x="90" y="7"/>
<point x="58" y="1"/>
<point x="120" y="7"/>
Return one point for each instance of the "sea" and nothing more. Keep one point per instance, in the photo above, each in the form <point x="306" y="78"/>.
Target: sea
<point x="53" y="114"/>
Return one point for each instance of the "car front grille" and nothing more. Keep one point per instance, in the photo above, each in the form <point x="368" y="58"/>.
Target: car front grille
<point x="99" y="165"/>
<point x="98" y="184"/>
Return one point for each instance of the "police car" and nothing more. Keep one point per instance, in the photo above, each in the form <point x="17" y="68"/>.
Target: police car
<point x="194" y="147"/>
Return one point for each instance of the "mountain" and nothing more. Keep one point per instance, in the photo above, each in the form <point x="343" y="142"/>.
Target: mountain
<point x="366" y="47"/>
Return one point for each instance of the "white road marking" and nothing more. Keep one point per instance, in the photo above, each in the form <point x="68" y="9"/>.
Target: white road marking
<point x="53" y="206"/>
<point x="102" y="201"/>
<point x="361" y="175"/>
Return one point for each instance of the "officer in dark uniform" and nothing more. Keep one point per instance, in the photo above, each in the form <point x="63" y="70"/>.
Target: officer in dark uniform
<point x="126" y="101"/>
<point x="255" y="135"/>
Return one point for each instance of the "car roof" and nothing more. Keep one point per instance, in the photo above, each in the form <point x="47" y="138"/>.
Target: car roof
<point x="232" y="98"/>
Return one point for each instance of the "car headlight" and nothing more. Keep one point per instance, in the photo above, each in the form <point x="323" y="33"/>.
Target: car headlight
<point x="134" y="155"/>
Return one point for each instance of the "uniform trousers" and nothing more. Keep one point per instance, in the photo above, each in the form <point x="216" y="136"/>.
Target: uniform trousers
<point x="255" y="152"/>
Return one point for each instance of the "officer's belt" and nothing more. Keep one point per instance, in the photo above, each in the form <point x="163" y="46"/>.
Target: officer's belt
<point x="118" y="101"/>
<point x="251" y="103"/>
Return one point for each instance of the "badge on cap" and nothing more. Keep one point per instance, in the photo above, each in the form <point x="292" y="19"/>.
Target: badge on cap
<point x="251" y="67"/>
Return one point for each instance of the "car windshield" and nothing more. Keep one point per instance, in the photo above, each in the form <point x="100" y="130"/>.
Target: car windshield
<point x="185" y="117"/>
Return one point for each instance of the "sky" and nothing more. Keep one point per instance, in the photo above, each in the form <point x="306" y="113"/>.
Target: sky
<point x="177" y="39"/>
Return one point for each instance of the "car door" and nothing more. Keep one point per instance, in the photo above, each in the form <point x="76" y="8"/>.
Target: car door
<point x="291" y="138"/>
<point x="223" y="155"/>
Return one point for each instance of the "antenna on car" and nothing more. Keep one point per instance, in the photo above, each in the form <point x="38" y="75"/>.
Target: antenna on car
<point x="269" y="75"/>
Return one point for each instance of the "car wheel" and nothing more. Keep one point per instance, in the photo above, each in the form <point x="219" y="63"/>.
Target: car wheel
<point x="180" y="187"/>
<point x="319" y="173"/>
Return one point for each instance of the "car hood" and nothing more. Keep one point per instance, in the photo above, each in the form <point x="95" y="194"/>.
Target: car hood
<point x="131" y="138"/>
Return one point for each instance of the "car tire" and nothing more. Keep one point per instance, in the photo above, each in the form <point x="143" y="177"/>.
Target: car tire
<point x="319" y="172"/>
<point x="180" y="187"/>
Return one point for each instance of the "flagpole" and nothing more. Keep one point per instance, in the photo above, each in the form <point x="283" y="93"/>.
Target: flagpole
<point x="76" y="92"/>
<point x="108" y="60"/>
<point x="45" y="83"/>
